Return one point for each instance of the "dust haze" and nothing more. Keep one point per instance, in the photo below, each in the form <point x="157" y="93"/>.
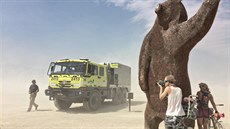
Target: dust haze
<point x="15" y="101"/>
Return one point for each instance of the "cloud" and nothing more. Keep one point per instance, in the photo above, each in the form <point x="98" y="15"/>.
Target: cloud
<point x="118" y="3"/>
<point x="218" y="37"/>
<point x="144" y="9"/>
<point x="214" y="47"/>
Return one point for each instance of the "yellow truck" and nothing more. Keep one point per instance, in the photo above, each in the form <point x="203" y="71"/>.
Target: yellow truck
<point x="83" y="81"/>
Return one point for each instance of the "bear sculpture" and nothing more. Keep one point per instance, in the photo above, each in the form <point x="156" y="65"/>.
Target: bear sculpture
<point x="165" y="50"/>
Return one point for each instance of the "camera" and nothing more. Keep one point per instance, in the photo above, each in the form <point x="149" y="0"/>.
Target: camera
<point x="161" y="82"/>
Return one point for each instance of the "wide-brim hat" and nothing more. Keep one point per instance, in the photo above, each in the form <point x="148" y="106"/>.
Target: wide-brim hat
<point x="170" y="78"/>
<point x="203" y="85"/>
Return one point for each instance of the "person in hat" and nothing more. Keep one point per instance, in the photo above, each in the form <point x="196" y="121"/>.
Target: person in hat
<point x="33" y="90"/>
<point x="174" y="110"/>
<point x="204" y="96"/>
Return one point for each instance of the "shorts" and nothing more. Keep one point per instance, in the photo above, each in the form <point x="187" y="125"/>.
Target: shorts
<point x="203" y="113"/>
<point x="173" y="122"/>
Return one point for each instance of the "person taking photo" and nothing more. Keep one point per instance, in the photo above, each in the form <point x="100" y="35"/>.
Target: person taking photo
<point x="174" y="112"/>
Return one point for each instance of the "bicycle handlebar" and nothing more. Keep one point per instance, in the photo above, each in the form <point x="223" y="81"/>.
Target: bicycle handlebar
<point x="193" y="96"/>
<point x="220" y="104"/>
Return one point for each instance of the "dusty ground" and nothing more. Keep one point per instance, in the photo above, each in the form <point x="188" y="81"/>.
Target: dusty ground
<point x="109" y="116"/>
<point x="14" y="115"/>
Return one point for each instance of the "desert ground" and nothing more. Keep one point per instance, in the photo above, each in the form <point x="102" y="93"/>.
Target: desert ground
<point x="109" y="116"/>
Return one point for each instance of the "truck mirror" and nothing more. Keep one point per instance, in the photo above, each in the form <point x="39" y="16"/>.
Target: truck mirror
<point x="52" y="68"/>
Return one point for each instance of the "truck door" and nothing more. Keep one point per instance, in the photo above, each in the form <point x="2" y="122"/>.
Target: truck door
<point x="93" y="79"/>
<point x="102" y="77"/>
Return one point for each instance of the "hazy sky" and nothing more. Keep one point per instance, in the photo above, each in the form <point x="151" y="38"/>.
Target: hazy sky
<point x="35" y="32"/>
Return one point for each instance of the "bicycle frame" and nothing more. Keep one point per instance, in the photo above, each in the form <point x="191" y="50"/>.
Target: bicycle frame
<point x="214" y="122"/>
<point x="192" y="107"/>
<point x="191" y="112"/>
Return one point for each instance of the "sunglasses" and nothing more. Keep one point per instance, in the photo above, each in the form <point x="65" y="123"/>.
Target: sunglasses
<point x="165" y="81"/>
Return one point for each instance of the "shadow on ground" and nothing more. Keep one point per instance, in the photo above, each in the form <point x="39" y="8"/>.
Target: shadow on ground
<point x="43" y="110"/>
<point x="106" y="107"/>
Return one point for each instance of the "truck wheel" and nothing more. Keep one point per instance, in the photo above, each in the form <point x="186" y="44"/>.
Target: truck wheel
<point x="117" y="99"/>
<point x="62" y="105"/>
<point x="94" y="101"/>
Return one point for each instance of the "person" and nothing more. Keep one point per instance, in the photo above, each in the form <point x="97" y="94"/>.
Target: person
<point x="33" y="90"/>
<point x="204" y="96"/>
<point x="174" y="112"/>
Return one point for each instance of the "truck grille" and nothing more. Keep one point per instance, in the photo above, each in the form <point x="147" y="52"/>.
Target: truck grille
<point x="65" y="83"/>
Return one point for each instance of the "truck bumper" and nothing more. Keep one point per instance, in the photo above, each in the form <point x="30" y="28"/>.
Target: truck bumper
<point x="74" y="95"/>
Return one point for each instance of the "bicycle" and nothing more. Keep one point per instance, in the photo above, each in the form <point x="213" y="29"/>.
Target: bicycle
<point x="192" y="106"/>
<point x="214" y="119"/>
<point x="190" y="110"/>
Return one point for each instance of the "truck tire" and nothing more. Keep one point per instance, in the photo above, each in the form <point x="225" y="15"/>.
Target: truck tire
<point x="94" y="101"/>
<point x="117" y="98"/>
<point x="61" y="104"/>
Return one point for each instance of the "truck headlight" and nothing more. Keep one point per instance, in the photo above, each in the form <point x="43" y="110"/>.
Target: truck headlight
<point x="52" y="84"/>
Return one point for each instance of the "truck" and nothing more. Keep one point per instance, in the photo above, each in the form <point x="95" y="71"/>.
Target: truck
<point x="87" y="82"/>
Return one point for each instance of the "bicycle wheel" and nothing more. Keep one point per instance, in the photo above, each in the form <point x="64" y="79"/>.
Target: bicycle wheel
<point x="219" y="125"/>
<point x="211" y="123"/>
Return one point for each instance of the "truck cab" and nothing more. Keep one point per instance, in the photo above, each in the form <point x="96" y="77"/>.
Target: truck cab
<point x="76" y="74"/>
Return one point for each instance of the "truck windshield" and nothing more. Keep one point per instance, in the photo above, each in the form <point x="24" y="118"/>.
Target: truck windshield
<point x="69" y="68"/>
